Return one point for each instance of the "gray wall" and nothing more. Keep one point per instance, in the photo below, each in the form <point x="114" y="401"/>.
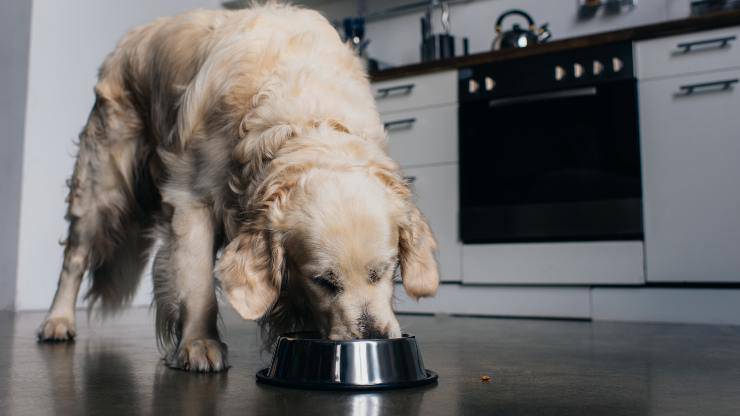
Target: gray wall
<point x="15" y="25"/>
<point x="69" y="40"/>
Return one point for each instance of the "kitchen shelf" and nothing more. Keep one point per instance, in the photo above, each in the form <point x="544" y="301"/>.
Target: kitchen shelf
<point x="673" y="27"/>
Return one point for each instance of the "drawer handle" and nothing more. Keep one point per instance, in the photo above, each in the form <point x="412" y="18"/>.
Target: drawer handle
<point x="409" y="179"/>
<point x="395" y="90"/>
<point x="714" y="86"/>
<point x="722" y="42"/>
<point x="399" y="124"/>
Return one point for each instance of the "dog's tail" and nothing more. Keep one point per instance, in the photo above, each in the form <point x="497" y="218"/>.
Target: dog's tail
<point x="123" y="237"/>
<point x="117" y="264"/>
<point x="113" y="176"/>
<point x="114" y="280"/>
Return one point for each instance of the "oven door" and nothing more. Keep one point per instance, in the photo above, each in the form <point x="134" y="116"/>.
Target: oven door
<point x="551" y="166"/>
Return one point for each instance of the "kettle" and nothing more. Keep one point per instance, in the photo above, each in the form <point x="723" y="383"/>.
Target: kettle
<point x="516" y="37"/>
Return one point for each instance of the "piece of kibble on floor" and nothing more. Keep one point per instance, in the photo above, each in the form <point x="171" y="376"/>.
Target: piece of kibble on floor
<point x="485" y="379"/>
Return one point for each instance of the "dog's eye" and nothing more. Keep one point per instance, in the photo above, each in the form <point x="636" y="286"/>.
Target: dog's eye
<point x="328" y="282"/>
<point x="373" y="276"/>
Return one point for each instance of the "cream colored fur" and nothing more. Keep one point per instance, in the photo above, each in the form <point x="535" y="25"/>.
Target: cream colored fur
<point x="254" y="133"/>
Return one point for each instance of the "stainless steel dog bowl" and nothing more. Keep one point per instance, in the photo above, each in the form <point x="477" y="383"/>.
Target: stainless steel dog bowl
<point x="303" y="360"/>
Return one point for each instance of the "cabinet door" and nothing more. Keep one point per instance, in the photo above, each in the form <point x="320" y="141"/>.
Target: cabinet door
<point x="436" y="192"/>
<point x="423" y="137"/>
<point x="416" y="92"/>
<point x="691" y="177"/>
<point x="688" y="53"/>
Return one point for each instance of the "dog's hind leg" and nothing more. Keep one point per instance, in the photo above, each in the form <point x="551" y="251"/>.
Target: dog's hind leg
<point x="184" y="288"/>
<point x="59" y="324"/>
<point x="100" y="202"/>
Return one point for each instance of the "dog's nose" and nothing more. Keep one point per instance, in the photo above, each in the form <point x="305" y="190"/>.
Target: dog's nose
<point x="374" y="333"/>
<point x="368" y="327"/>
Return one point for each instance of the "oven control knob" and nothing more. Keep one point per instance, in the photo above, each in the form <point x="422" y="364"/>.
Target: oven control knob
<point x="559" y="73"/>
<point x="578" y="70"/>
<point x="489" y="83"/>
<point x="617" y="64"/>
<point x="598" y="68"/>
<point x="473" y="86"/>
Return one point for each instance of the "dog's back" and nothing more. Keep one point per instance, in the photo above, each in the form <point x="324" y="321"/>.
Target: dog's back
<point x="184" y="73"/>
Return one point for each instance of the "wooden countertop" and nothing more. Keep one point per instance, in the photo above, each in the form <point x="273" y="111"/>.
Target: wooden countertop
<point x="672" y="27"/>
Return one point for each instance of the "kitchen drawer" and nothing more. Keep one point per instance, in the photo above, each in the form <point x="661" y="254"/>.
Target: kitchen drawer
<point x="598" y="262"/>
<point x="691" y="167"/>
<point x="436" y="192"/>
<point x="691" y="53"/>
<point x="416" y="92"/>
<point x="424" y="136"/>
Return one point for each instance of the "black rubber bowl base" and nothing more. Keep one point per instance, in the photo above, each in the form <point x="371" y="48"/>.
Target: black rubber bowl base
<point x="262" y="377"/>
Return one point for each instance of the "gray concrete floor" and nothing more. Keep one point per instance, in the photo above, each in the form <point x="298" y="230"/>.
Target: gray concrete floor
<point x="536" y="367"/>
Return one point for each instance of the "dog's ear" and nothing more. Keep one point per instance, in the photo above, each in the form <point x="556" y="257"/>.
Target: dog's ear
<point x="416" y="243"/>
<point x="416" y="250"/>
<point x="250" y="271"/>
<point x="251" y="267"/>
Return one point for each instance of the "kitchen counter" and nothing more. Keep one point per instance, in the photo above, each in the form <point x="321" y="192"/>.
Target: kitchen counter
<point x="535" y="368"/>
<point x="673" y="27"/>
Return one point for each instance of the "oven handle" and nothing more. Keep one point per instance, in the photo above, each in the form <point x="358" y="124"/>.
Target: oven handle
<point x="576" y="92"/>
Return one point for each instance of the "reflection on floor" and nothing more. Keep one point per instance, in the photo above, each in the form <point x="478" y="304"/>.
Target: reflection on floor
<point x="536" y="367"/>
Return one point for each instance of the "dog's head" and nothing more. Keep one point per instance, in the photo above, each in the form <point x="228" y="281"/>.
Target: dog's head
<point x="334" y="238"/>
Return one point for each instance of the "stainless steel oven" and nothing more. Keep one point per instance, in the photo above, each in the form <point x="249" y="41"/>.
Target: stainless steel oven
<point x="549" y="148"/>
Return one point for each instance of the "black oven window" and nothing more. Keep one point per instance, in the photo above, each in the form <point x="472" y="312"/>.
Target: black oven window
<point x="551" y="150"/>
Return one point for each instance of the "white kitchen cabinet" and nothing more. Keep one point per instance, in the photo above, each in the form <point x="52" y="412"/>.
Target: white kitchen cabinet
<point x="423" y="136"/>
<point x="691" y="177"/>
<point x="416" y="92"/>
<point x="436" y="191"/>
<point x="420" y="114"/>
<point x="689" y="53"/>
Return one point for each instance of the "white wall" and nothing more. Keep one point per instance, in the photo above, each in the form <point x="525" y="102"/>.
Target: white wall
<point x="15" y="25"/>
<point x="69" y="40"/>
<point x="396" y="40"/>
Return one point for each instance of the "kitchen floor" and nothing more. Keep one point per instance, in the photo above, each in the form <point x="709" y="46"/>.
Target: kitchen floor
<point x="535" y="367"/>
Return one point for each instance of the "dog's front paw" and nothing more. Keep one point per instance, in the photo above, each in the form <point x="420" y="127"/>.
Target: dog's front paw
<point x="202" y="355"/>
<point x="57" y="330"/>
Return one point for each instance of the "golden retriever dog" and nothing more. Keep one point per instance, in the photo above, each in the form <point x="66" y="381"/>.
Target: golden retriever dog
<point x="245" y="147"/>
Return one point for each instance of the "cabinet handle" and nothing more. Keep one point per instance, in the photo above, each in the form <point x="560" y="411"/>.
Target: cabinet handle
<point x="409" y="179"/>
<point x="395" y="90"/>
<point x="398" y="124"/>
<point x="714" y="86"/>
<point x="722" y="42"/>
